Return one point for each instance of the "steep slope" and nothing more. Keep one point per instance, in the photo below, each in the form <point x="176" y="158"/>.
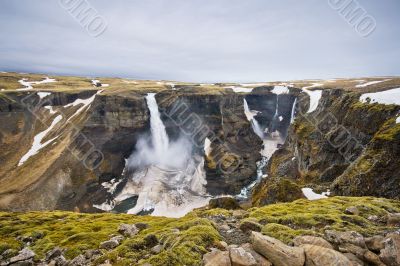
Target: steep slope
<point x="345" y="144"/>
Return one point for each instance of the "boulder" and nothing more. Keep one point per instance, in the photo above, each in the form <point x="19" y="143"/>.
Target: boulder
<point x="249" y="225"/>
<point x="109" y="244"/>
<point x="277" y="252"/>
<point x="151" y="240"/>
<point x="128" y="230"/>
<point x="352" y="210"/>
<point x="338" y="238"/>
<point x="363" y="254"/>
<point x="375" y="243"/>
<point x="79" y="260"/>
<point x="393" y="219"/>
<point x="390" y="254"/>
<point x="141" y="226"/>
<point x="54" y="253"/>
<point x="311" y="240"/>
<point x="320" y="256"/>
<point x="240" y="214"/>
<point x="228" y="203"/>
<point x="156" y="249"/>
<point x="217" y="258"/>
<point x="261" y="261"/>
<point x="24" y="255"/>
<point x="353" y="259"/>
<point x="240" y="257"/>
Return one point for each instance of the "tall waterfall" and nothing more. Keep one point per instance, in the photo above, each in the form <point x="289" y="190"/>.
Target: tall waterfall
<point x="167" y="177"/>
<point x="250" y="115"/>
<point x="158" y="134"/>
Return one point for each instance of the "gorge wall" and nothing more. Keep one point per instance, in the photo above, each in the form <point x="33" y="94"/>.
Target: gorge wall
<point x="347" y="146"/>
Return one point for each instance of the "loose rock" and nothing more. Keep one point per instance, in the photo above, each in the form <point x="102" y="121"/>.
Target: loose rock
<point x="217" y="258"/>
<point x="156" y="249"/>
<point x="353" y="259"/>
<point x="375" y="243"/>
<point x="311" y="240"/>
<point x="240" y="257"/>
<point x="249" y="225"/>
<point x="390" y="255"/>
<point x="351" y="237"/>
<point x="352" y="210"/>
<point x="320" y="256"/>
<point x="128" y="230"/>
<point x="141" y="226"/>
<point x="261" y="261"/>
<point x="277" y="252"/>
<point x="393" y="219"/>
<point x="23" y="255"/>
<point x="109" y="244"/>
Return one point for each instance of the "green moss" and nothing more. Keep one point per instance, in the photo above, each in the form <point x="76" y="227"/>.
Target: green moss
<point x="301" y="216"/>
<point x="283" y="232"/>
<point x="389" y="131"/>
<point x="79" y="232"/>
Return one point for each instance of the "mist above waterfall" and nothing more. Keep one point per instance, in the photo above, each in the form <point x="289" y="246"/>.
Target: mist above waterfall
<point x="156" y="149"/>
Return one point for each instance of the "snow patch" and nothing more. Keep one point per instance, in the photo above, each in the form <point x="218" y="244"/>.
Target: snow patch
<point x="37" y="141"/>
<point x="398" y="120"/>
<point x="240" y="89"/>
<point x="84" y="102"/>
<point x="28" y="84"/>
<point x="97" y="83"/>
<point x="384" y="97"/>
<point x="43" y="94"/>
<point x="315" y="96"/>
<point x="207" y="147"/>
<point x="111" y="186"/>
<point x="50" y="108"/>
<point x="280" y="90"/>
<point x="371" y="83"/>
<point x="311" y="195"/>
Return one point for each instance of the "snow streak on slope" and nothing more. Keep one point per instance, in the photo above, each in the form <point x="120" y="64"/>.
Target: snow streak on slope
<point x="37" y="141"/>
<point x="84" y="102"/>
<point x="384" y="97"/>
<point x="250" y="115"/>
<point x="315" y="96"/>
<point x="311" y="195"/>
<point x="371" y="83"/>
<point x="28" y="84"/>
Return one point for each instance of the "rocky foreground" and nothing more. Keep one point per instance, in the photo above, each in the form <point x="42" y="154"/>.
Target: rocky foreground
<point x="333" y="231"/>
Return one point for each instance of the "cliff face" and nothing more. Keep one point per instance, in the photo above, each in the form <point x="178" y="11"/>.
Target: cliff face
<point x="61" y="175"/>
<point x="349" y="147"/>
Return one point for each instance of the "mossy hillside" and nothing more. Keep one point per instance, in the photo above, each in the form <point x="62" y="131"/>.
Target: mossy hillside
<point x="79" y="232"/>
<point x="285" y="221"/>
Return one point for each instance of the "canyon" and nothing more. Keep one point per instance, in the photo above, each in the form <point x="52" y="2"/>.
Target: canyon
<point x="146" y="150"/>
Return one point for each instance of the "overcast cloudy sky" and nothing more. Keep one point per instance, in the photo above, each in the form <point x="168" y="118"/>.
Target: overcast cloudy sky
<point x="200" y="40"/>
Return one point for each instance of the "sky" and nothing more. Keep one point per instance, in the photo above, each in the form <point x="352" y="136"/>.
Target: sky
<point x="199" y="40"/>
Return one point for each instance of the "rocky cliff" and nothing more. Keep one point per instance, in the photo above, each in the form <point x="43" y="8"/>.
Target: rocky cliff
<point x="346" y="145"/>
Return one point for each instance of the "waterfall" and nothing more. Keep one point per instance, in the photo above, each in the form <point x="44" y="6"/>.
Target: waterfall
<point x="250" y="116"/>
<point x="167" y="177"/>
<point x="158" y="134"/>
<point x="293" y="111"/>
